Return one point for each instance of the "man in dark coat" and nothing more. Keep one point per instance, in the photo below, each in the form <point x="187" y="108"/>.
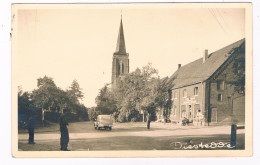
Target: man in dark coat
<point x="30" y="127"/>
<point x="148" y="120"/>
<point x="64" y="139"/>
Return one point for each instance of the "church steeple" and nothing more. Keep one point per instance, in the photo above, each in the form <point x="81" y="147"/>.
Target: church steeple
<point x="120" y="64"/>
<point x="120" y="46"/>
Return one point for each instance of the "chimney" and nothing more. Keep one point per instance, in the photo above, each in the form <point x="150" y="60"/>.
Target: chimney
<point x="205" y="56"/>
<point x="179" y="66"/>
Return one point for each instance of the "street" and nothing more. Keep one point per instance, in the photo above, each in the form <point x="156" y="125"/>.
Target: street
<point x="132" y="136"/>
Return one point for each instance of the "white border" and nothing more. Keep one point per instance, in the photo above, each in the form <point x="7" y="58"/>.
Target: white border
<point x="5" y="94"/>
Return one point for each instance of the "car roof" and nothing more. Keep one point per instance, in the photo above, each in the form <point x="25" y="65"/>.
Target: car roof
<point x="103" y="115"/>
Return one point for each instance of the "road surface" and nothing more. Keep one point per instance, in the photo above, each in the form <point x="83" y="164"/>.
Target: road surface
<point x="132" y="136"/>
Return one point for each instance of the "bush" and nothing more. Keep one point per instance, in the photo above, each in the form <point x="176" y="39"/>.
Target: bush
<point x="135" y="116"/>
<point x="51" y="116"/>
<point x="122" y="117"/>
<point x="72" y="117"/>
<point x="134" y="119"/>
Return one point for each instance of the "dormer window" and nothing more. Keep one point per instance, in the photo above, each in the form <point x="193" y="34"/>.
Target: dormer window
<point x="220" y="85"/>
<point x="196" y="89"/>
<point x="175" y="95"/>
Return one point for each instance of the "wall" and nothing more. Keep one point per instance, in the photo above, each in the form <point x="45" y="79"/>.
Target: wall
<point x="196" y="102"/>
<point x="221" y="111"/>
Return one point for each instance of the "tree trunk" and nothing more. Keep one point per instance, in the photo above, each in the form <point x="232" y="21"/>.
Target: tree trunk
<point x="43" y="117"/>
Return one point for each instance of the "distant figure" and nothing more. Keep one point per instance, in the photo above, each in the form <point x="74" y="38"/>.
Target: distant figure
<point x="64" y="139"/>
<point x="185" y="121"/>
<point x="30" y="127"/>
<point x="148" y="120"/>
<point x="43" y="124"/>
<point x="200" y="117"/>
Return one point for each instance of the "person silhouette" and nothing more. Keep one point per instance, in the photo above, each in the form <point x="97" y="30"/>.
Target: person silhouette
<point x="64" y="139"/>
<point x="30" y="127"/>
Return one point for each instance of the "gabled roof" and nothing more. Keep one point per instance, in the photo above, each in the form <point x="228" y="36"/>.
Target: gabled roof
<point x="197" y="71"/>
<point x="120" y="46"/>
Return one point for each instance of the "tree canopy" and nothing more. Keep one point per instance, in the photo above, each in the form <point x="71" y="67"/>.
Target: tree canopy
<point x="47" y="96"/>
<point x="141" y="91"/>
<point x="238" y="68"/>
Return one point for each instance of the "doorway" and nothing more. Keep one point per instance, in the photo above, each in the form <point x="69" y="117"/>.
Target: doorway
<point x="214" y="115"/>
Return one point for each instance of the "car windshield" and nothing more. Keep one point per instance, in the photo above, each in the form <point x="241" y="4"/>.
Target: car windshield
<point x="105" y="118"/>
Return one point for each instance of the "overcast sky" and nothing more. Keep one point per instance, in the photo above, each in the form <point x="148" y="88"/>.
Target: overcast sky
<point x="78" y="42"/>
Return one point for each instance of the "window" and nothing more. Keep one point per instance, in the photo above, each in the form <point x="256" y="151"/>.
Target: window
<point x="229" y="99"/>
<point x="175" y="95"/>
<point x="196" y="91"/>
<point x="183" y="111"/>
<point x="184" y="93"/>
<point x="219" y="97"/>
<point x="196" y="107"/>
<point x="174" y="110"/>
<point x="123" y="68"/>
<point x="117" y="68"/>
<point x="220" y="85"/>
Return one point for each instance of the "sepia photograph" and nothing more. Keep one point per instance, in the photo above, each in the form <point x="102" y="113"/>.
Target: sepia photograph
<point x="132" y="80"/>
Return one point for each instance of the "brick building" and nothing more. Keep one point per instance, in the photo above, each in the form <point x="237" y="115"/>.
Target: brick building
<point x="203" y="85"/>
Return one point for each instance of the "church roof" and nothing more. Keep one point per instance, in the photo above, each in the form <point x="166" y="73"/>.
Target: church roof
<point x="120" y="46"/>
<point x="197" y="71"/>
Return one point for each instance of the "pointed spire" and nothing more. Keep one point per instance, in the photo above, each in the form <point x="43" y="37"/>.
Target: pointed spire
<point x="120" y="47"/>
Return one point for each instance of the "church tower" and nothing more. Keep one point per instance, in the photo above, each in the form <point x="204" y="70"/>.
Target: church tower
<point x="120" y="64"/>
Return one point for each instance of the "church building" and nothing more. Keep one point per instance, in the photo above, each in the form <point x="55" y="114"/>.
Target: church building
<point x="120" y="64"/>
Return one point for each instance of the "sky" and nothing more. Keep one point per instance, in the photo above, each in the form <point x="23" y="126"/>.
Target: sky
<point x="68" y="42"/>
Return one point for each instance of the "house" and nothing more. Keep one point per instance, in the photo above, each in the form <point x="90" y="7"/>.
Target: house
<point x="203" y="85"/>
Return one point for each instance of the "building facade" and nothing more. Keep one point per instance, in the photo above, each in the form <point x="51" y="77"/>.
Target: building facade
<point x="120" y="63"/>
<point x="203" y="86"/>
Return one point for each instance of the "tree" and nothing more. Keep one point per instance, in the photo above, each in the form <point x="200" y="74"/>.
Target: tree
<point x="132" y="90"/>
<point x="75" y="92"/>
<point x="25" y="105"/>
<point x="45" y="81"/>
<point x="162" y="91"/>
<point x="143" y="91"/>
<point x="238" y="69"/>
<point x="137" y="93"/>
<point x="105" y="101"/>
<point x="49" y="97"/>
<point x="92" y="114"/>
<point x="62" y="100"/>
<point x="45" y="96"/>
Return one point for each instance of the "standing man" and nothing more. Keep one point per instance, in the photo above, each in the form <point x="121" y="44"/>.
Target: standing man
<point x="64" y="139"/>
<point x="30" y="128"/>
<point x="43" y="117"/>
<point x="200" y="118"/>
<point x="148" y="120"/>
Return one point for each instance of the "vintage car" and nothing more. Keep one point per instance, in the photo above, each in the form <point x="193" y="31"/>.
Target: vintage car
<point x="104" y="122"/>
